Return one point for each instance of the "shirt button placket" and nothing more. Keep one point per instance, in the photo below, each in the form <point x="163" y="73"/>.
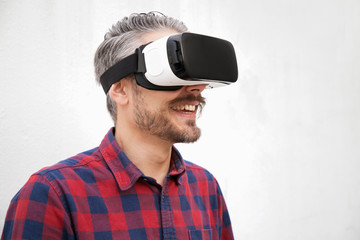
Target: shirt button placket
<point x="166" y="214"/>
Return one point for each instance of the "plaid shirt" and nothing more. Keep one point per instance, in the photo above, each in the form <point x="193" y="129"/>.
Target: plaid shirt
<point x="100" y="194"/>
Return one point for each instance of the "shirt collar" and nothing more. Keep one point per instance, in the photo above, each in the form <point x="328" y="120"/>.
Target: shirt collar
<point x="177" y="165"/>
<point x="125" y="172"/>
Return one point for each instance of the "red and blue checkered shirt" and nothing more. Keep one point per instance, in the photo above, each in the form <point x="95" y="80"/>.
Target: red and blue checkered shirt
<point x="101" y="194"/>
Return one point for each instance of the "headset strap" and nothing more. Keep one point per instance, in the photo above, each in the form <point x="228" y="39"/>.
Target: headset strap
<point x="134" y="63"/>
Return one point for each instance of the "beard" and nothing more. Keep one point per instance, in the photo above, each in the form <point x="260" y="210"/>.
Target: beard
<point x="159" y="124"/>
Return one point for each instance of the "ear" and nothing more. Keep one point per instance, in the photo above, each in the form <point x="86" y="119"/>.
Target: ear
<point x="119" y="92"/>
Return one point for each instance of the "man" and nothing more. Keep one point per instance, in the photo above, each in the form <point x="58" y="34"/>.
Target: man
<point x="135" y="185"/>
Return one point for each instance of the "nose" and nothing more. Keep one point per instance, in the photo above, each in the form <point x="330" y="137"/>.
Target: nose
<point x="195" y="89"/>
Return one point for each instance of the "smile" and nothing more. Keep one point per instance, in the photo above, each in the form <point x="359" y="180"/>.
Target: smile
<point x="187" y="107"/>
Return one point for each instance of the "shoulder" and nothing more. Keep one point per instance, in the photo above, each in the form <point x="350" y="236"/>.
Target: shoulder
<point x="195" y="172"/>
<point x="59" y="179"/>
<point x="57" y="176"/>
<point x="82" y="160"/>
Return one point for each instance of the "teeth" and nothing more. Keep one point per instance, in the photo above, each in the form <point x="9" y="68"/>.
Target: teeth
<point x="190" y="108"/>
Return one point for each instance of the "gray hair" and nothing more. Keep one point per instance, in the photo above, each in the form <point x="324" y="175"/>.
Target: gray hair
<point x="124" y="37"/>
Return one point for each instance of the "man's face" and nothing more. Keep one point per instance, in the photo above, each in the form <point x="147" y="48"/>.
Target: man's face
<point x="169" y="115"/>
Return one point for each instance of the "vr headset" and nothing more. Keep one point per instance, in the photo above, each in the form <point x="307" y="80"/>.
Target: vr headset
<point x="177" y="60"/>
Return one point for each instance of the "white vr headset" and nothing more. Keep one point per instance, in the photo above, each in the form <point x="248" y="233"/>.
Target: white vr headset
<point x="175" y="61"/>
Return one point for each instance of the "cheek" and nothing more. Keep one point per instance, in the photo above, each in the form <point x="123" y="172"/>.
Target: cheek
<point x="157" y="105"/>
<point x="155" y="101"/>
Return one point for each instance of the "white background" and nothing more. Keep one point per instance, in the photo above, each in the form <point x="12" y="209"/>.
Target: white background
<point x="284" y="141"/>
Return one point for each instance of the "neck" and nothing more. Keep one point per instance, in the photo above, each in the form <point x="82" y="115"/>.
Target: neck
<point x="149" y="153"/>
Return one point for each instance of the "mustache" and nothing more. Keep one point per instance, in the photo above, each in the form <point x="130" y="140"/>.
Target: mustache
<point x="189" y="98"/>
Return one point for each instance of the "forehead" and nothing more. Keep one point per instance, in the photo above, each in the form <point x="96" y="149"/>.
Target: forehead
<point x="155" y="35"/>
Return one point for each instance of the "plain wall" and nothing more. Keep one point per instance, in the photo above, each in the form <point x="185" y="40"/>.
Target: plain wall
<point x="284" y="141"/>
